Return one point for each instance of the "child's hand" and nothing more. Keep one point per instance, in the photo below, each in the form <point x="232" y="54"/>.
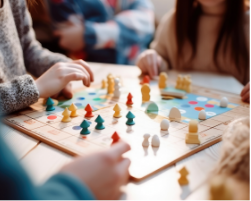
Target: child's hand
<point x="149" y="62"/>
<point x="104" y="173"/>
<point x="245" y="94"/>
<point x="58" y="76"/>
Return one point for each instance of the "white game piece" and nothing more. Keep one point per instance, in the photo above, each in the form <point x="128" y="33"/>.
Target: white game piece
<point x="164" y="125"/>
<point x="145" y="142"/>
<point x="117" y="86"/>
<point x="155" y="141"/>
<point x="224" y="102"/>
<point x="202" y="115"/>
<point x="175" y="114"/>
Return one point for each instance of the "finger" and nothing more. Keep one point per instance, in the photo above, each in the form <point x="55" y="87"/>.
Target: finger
<point x="71" y="66"/>
<point x="87" y="67"/>
<point x="246" y="97"/>
<point x="145" y="63"/>
<point x="245" y="89"/>
<point x="75" y="77"/>
<point x="123" y="170"/>
<point x="55" y="96"/>
<point x="155" y="65"/>
<point x="141" y="66"/>
<point x="149" y="65"/>
<point x="116" y="151"/>
<point x="67" y="91"/>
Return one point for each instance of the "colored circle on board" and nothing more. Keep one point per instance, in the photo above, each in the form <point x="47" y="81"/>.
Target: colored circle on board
<point x="210" y="114"/>
<point x="209" y="105"/>
<point x="185" y="106"/>
<point x="97" y="99"/>
<point x="78" y="104"/>
<point x="51" y="117"/>
<point x="76" y="128"/>
<point x="183" y="111"/>
<point x="193" y="102"/>
<point x="202" y="99"/>
<point x="81" y="98"/>
<point x="199" y="108"/>
<point x="92" y="94"/>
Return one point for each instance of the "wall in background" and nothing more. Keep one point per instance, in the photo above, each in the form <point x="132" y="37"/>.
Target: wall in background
<point x="162" y="7"/>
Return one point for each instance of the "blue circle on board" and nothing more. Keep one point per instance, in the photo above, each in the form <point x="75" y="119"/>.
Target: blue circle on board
<point x="185" y="106"/>
<point x="81" y="98"/>
<point x="78" y="104"/>
<point x="92" y="93"/>
<point x="76" y="128"/>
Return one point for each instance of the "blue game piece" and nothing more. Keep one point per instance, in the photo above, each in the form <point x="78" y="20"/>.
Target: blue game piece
<point x="99" y="122"/>
<point x="84" y="125"/>
<point x="130" y="118"/>
<point x="49" y="104"/>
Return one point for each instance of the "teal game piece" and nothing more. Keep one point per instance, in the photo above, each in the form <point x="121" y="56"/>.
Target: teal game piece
<point x="49" y="104"/>
<point x="99" y="122"/>
<point x="130" y="118"/>
<point x="84" y="125"/>
<point x="152" y="107"/>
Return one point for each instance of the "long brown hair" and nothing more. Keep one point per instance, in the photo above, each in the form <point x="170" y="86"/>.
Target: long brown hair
<point x="231" y="32"/>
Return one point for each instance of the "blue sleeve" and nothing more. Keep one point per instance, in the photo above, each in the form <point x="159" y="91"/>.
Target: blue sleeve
<point x="15" y="184"/>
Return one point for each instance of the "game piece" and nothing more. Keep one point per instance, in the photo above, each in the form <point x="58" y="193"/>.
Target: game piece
<point x="152" y="107"/>
<point x="73" y="108"/>
<point x="178" y="82"/>
<point x="146" y="80"/>
<point x="99" y="120"/>
<point x="110" y="84"/>
<point x="84" y="125"/>
<point x="130" y="118"/>
<point x="117" y="110"/>
<point x="115" y="138"/>
<point x="224" y="102"/>
<point x="188" y="87"/>
<point x="49" y="104"/>
<point x="202" y="115"/>
<point x="192" y="136"/>
<point x="162" y="80"/>
<point x="175" y="114"/>
<point x="66" y="115"/>
<point x="89" y="110"/>
<point x="164" y="125"/>
<point x="145" y="90"/>
<point x="183" y="176"/>
<point x="219" y="188"/>
<point x="145" y="142"/>
<point x="155" y="141"/>
<point x="103" y="84"/>
<point x="129" y="99"/>
<point x="117" y="86"/>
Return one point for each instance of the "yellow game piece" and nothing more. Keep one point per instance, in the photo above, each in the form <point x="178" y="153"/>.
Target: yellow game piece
<point x="188" y="86"/>
<point x="73" y="108"/>
<point x="162" y="80"/>
<point x="182" y="83"/>
<point x="183" y="176"/>
<point x="219" y="189"/>
<point x="103" y="84"/>
<point x="117" y="110"/>
<point x="145" y="90"/>
<point x="66" y="115"/>
<point x="110" y="85"/>
<point x="178" y="82"/>
<point x="192" y="137"/>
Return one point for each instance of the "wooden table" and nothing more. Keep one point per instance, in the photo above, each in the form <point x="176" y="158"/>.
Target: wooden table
<point x="41" y="160"/>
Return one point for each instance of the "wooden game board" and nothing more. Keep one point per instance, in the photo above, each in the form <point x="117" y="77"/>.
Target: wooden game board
<point x="47" y="127"/>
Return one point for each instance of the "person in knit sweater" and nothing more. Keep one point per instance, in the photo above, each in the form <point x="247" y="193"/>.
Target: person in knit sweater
<point x="202" y="35"/>
<point x="83" y="178"/>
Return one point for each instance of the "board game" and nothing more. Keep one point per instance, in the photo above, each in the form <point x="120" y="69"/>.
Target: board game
<point x="47" y="127"/>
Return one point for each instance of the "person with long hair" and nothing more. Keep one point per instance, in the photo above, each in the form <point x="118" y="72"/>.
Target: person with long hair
<point x="99" y="175"/>
<point x="202" y="35"/>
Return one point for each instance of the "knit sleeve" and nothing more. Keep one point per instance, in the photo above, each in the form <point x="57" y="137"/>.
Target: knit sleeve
<point x="17" y="94"/>
<point x="37" y="59"/>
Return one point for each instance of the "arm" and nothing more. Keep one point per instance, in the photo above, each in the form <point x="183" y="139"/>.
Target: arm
<point x="37" y="59"/>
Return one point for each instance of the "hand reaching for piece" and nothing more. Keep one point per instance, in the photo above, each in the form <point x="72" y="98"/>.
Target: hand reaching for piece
<point x="245" y="94"/>
<point x="57" y="78"/>
<point x="104" y="173"/>
<point x="149" y="62"/>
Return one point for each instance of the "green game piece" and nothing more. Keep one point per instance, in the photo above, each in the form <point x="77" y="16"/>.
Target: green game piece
<point x="85" y="126"/>
<point x="152" y="107"/>
<point x="99" y="122"/>
<point x="130" y="118"/>
<point x="49" y="104"/>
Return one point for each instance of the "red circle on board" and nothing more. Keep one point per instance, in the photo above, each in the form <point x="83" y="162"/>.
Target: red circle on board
<point x="193" y="102"/>
<point x="209" y="105"/>
<point x="199" y="108"/>
<point x="52" y="117"/>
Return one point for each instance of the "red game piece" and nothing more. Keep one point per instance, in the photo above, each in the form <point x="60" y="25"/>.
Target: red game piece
<point x="146" y="80"/>
<point x="129" y="99"/>
<point x="88" y="110"/>
<point x="115" y="138"/>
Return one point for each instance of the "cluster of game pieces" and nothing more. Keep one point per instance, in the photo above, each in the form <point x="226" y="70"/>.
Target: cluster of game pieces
<point x="184" y="83"/>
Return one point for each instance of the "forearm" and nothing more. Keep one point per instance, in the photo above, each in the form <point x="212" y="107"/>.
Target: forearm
<point x="17" y="94"/>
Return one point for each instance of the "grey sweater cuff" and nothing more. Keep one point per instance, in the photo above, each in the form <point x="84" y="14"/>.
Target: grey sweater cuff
<point x="17" y="94"/>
